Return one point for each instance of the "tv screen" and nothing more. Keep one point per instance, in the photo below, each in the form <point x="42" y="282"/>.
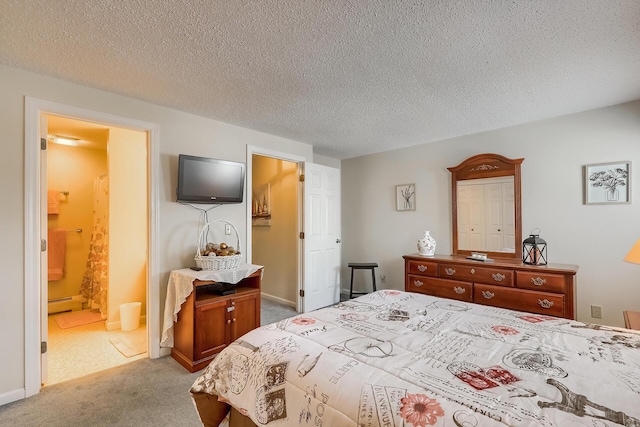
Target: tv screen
<point x="205" y="180"/>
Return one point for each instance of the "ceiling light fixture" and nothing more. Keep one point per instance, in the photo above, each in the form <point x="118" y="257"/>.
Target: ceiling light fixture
<point x="65" y="140"/>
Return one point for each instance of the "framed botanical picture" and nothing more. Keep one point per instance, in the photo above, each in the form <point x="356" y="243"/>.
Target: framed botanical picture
<point x="607" y="183"/>
<point x="406" y="197"/>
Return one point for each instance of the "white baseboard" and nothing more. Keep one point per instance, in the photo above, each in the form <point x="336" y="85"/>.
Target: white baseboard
<point x="12" y="396"/>
<point x="112" y="326"/>
<point x="278" y="300"/>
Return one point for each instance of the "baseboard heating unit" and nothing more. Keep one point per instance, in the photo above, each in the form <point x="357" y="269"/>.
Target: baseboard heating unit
<point x="72" y="303"/>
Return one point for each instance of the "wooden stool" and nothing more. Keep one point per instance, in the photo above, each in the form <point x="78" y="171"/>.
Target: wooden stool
<point x="362" y="266"/>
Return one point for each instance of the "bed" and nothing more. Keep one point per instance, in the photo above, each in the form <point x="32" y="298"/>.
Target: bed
<point x="393" y="358"/>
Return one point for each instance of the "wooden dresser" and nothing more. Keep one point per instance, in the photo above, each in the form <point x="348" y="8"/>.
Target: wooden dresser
<point x="548" y="289"/>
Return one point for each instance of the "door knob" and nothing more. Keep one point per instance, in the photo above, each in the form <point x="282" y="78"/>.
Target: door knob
<point x="338" y="240"/>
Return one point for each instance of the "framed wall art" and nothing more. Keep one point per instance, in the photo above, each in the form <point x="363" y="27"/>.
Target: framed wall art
<point x="607" y="183"/>
<point x="406" y="197"/>
<point x="261" y="209"/>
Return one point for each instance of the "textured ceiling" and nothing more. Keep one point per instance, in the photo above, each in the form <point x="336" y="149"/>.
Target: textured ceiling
<point x="349" y="77"/>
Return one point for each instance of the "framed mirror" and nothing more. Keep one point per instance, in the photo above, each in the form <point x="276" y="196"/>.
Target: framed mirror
<point x="486" y="206"/>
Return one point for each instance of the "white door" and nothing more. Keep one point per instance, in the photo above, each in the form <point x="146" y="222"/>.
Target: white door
<point x="477" y="236"/>
<point x="494" y="222"/>
<point x="322" y="234"/>
<point x="464" y="240"/>
<point x="44" y="262"/>
<point x="509" y="221"/>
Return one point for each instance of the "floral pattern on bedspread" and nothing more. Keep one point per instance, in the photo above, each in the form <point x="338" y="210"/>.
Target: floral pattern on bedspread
<point x="400" y="359"/>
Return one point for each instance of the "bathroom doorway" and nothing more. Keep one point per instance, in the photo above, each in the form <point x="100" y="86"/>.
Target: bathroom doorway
<point x="97" y="210"/>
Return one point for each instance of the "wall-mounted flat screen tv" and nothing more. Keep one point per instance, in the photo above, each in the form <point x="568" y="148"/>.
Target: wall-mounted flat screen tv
<point x="206" y="180"/>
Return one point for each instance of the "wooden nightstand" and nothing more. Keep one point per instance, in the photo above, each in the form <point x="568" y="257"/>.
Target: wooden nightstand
<point x="632" y="320"/>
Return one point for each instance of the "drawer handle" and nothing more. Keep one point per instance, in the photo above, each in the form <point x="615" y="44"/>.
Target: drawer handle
<point x="228" y="321"/>
<point x="538" y="281"/>
<point x="449" y="271"/>
<point x="459" y="290"/>
<point x="498" y="277"/>
<point x="418" y="283"/>
<point x="545" y="303"/>
<point x="422" y="268"/>
<point x="473" y="271"/>
<point x="488" y="295"/>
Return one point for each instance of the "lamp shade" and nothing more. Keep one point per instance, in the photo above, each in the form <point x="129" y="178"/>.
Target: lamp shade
<point x="634" y="254"/>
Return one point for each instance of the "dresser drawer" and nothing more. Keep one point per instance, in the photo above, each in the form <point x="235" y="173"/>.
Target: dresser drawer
<point x="487" y="275"/>
<point x="423" y="268"/>
<point x="517" y="299"/>
<point x="453" y="289"/>
<point x="540" y="282"/>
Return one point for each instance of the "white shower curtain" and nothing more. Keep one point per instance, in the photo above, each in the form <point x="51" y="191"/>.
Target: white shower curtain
<point x="95" y="283"/>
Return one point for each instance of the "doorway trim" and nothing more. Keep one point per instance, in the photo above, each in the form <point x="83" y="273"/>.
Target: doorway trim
<point x="300" y="160"/>
<point x="34" y="108"/>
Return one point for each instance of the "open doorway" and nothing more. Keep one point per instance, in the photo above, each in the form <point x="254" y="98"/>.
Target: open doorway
<point x="97" y="221"/>
<point x="275" y="199"/>
<point x="317" y="255"/>
<point x="35" y="230"/>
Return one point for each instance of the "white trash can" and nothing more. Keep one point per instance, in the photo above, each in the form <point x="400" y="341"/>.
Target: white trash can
<point x="130" y="316"/>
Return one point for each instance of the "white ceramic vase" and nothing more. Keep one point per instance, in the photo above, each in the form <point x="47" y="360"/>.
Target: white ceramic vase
<point x="426" y="245"/>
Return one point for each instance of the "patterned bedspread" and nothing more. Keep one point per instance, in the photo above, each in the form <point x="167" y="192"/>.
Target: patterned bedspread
<point x="393" y="358"/>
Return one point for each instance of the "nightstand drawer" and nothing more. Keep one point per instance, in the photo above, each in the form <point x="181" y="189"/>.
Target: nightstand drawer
<point x="540" y="282"/>
<point x="487" y="275"/>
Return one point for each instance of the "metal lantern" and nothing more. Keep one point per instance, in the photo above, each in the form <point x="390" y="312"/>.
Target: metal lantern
<point x="534" y="250"/>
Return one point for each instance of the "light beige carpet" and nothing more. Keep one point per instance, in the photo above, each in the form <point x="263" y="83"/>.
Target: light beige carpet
<point x="78" y="318"/>
<point x="143" y="393"/>
<point x="130" y="343"/>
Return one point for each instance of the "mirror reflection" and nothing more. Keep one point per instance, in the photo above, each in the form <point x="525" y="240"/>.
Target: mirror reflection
<point x="486" y="215"/>
<point x="486" y="206"/>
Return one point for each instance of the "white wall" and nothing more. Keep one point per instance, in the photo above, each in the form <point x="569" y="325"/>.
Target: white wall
<point x="595" y="237"/>
<point x="178" y="132"/>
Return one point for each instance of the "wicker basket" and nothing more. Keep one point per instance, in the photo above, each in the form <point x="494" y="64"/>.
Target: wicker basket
<point x="216" y="262"/>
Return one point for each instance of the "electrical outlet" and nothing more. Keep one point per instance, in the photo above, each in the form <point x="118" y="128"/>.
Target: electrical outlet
<point x="596" y="312"/>
<point x="227" y="229"/>
<point x="383" y="279"/>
